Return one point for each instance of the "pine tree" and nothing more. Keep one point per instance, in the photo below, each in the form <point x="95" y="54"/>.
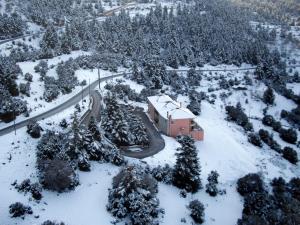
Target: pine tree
<point x="269" y="96"/>
<point x="211" y="187"/>
<point x="93" y="128"/>
<point x="114" y="122"/>
<point x="133" y="196"/>
<point x="187" y="168"/>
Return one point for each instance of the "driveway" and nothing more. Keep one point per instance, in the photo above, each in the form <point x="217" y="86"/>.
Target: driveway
<point x="157" y="143"/>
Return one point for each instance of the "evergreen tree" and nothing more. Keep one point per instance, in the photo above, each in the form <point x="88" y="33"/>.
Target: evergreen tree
<point x="114" y="122"/>
<point x="187" y="168"/>
<point x="211" y="187"/>
<point x="133" y="196"/>
<point x="93" y="128"/>
<point x="269" y="96"/>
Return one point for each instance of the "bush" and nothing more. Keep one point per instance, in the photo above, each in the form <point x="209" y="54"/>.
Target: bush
<point x="250" y="183"/>
<point x="254" y="139"/>
<point x="35" y="189"/>
<point x="25" y="89"/>
<point x="28" y="77"/>
<point x="18" y="209"/>
<point x="290" y="155"/>
<point x="163" y="174"/>
<point x="289" y="135"/>
<point x="211" y="187"/>
<point x="268" y="120"/>
<point x="237" y="115"/>
<point x="269" y="96"/>
<point x="63" y="123"/>
<point x="34" y="129"/>
<point x="58" y="175"/>
<point x="197" y="211"/>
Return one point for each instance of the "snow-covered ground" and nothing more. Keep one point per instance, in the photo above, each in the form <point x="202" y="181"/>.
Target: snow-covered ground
<point x="225" y="148"/>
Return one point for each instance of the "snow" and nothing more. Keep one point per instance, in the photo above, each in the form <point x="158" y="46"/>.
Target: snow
<point x="166" y="107"/>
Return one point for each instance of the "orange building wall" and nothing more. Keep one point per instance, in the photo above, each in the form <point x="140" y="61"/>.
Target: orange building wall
<point x="178" y="127"/>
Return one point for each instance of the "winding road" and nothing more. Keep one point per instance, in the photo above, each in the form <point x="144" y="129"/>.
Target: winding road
<point x="70" y="102"/>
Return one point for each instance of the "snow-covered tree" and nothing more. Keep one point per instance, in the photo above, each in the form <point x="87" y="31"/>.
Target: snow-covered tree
<point x="114" y="122"/>
<point x="211" y="186"/>
<point x="133" y="196"/>
<point x="186" y="173"/>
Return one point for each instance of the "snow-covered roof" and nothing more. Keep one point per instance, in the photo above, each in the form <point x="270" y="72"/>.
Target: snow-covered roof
<point x="166" y="106"/>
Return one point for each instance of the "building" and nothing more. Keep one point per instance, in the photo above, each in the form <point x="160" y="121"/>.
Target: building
<point x="172" y="119"/>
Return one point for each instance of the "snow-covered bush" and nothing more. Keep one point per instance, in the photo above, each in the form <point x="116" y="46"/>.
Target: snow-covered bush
<point x="250" y="183"/>
<point x="34" y="129"/>
<point x="186" y="173"/>
<point x="25" y="88"/>
<point x="237" y="115"/>
<point x="196" y="211"/>
<point x="292" y="117"/>
<point x="163" y="174"/>
<point x="58" y="175"/>
<point x="42" y="69"/>
<point x="290" y="155"/>
<point x="66" y="76"/>
<point x="51" y="89"/>
<point x="267" y="138"/>
<point x="282" y="206"/>
<point x="18" y="209"/>
<point x="63" y="123"/>
<point x="28" y="77"/>
<point x="34" y="188"/>
<point x="269" y="96"/>
<point x="133" y="196"/>
<point x="254" y="139"/>
<point x="288" y="135"/>
<point x="211" y="186"/>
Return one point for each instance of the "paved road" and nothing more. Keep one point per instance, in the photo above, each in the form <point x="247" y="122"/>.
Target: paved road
<point x="70" y="102"/>
<point x="157" y="143"/>
<point x="94" y="111"/>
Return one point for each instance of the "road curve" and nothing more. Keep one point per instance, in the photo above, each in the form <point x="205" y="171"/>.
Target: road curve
<point x="70" y="102"/>
<point x="157" y="143"/>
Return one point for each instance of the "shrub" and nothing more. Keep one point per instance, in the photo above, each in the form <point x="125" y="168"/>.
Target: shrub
<point x="25" y="89"/>
<point x="163" y="174"/>
<point x="197" y="211"/>
<point x="211" y="187"/>
<point x="63" y="123"/>
<point x="290" y="155"/>
<point x="34" y="188"/>
<point x="254" y="139"/>
<point x="34" y="129"/>
<point x="58" y="175"/>
<point x="237" y="115"/>
<point x="18" y="209"/>
<point x="268" y="120"/>
<point x="289" y="135"/>
<point x="250" y="183"/>
<point x="269" y="96"/>
<point x="28" y="77"/>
